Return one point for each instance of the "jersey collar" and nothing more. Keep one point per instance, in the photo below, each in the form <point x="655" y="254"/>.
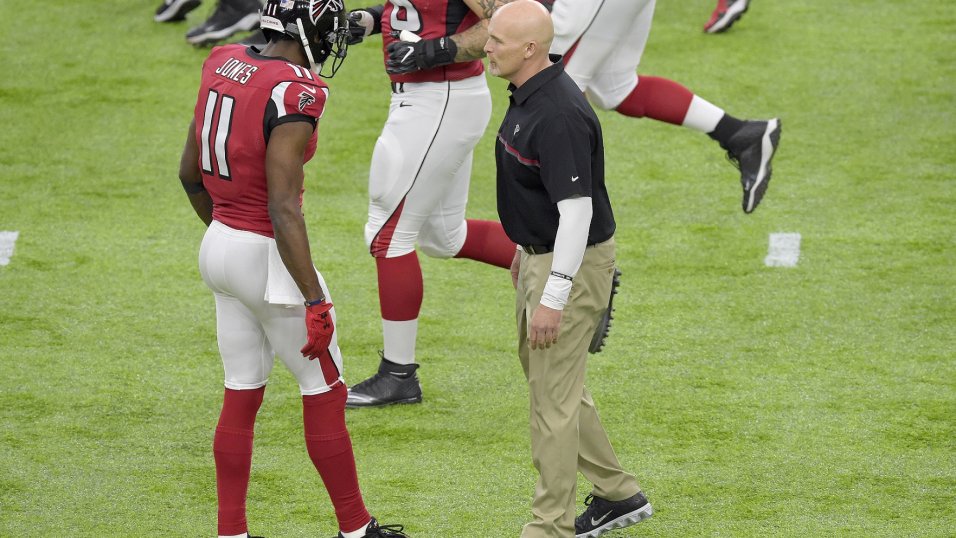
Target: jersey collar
<point x="533" y="84"/>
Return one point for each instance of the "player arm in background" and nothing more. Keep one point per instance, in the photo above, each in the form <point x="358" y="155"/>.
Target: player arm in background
<point x="365" y="22"/>
<point x="285" y="177"/>
<point x="471" y="42"/>
<point x="191" y="177"/>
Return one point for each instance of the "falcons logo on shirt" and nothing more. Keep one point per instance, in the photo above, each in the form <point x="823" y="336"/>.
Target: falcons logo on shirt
<point x="305" y="99"/>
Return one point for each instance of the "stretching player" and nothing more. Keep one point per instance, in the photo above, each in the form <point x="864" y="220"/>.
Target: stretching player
<point x="602" y="42"/>
<point x="242" y="167"/>
<point x="421" y="167"/>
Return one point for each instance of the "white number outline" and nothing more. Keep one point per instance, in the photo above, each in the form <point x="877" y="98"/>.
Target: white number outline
<point x="412" y="21"/>
<point x="220" y="141"/>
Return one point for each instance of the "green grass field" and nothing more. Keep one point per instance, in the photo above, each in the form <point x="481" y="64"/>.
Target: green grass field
<point x="818" y="400"/>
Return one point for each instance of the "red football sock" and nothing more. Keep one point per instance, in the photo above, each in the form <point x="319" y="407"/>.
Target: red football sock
<point x="330" y="448"/>
<point x="400" y="287"/>
<point x="232" y="448"/>
<point x="487" y="242"/>
<point x="659" y="99"/>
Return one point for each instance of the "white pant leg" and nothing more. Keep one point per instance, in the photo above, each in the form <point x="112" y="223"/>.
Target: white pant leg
<point x="250" y="331"/>
<point x="604" y="63"/>
<point x="421" y="161"/>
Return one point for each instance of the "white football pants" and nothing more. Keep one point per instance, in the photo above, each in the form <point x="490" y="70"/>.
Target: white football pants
<point x="252" y="331"/>
<point x="610" y="37"/>
<point x="421" y="167"/>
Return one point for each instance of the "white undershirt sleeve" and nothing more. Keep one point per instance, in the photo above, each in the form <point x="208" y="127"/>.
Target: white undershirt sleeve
<point x="569" y="245"/>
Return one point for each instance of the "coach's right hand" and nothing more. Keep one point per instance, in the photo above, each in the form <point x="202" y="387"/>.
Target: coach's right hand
<point x="319" y="326"/>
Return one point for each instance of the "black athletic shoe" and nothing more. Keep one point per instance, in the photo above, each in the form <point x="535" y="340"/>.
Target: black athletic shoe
<point x="604" y="327"/>
<point x="393" y="384"/>
<point x="228" y="18"/>
<point x="603" y="515"/>
<point x="257" y="40"/>
<point x="751" y="149"/>
<point x="725" y="15"/>
<point x="174" y="10"/>
<point x="374" y="530"/>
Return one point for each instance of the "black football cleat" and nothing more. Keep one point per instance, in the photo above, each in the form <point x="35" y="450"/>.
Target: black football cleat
<point x="374" y="530"/>
<point x="603" y="328"/>
<point x="725" y="15"/>
<point x="751" y="149"/>
<point x="603" y="515"/>
<point x="392" y="384"/>
<point x="256" y="39"/>
<point x="228" y="18"/>
<point x="174" y="10"/>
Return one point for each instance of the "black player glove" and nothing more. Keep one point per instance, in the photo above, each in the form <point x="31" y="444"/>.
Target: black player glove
<point x="407" y="56"/>
<point x="364" y="22"/>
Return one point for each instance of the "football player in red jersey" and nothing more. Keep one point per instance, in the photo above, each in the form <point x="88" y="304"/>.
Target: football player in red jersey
<point x="602" y="42"/>
<point x="242" y="168"/>
<point x="421" y="167"/>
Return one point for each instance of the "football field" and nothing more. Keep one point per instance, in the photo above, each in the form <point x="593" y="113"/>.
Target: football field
<point x="750" y="400"/>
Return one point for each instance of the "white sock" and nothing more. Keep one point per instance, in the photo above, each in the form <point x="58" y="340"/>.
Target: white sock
<point x="400" y="340"/>
<point x="702" y="116"/>
<point x="357" y="533"/>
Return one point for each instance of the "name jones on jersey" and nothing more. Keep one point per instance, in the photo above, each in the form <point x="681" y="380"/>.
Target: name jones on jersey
<point x="235" y="70"/>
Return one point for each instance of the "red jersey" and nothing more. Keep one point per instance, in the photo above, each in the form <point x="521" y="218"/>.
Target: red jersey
<point x="242" y="97"/>
<point x="430" y="19"/>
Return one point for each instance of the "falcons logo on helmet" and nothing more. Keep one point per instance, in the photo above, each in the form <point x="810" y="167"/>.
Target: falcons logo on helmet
<point x="318" y="7"/>
<point x="305" y="99"/>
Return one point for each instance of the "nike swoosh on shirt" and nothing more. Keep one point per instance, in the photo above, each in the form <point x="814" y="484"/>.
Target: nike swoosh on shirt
<point x="574" y="178"/>
<point x="308" y="89"/>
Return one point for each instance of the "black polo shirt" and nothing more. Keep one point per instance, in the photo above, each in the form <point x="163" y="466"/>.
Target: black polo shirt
<point x="549" y="148"/>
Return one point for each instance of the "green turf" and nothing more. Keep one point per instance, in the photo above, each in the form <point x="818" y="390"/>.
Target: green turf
<point x="750" y="401"/>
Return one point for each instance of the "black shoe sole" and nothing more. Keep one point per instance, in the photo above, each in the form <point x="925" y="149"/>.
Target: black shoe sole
<point x="414" y="400"/>
<point x="604" y="326"/>
<point x="768" y="148"/>
<point x="177" y="12"/>
<point x="246" y="23"/>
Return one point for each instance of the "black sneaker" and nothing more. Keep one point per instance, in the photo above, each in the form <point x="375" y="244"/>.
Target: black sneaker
<point x="751" y="149"/>
<point x="228" y="18"/>
<point x="257" y="40"/>
<point x="393" y="384"/>
<point x="603" y="515"/>
<point x="174" y="10"/>
<point x="604" y="327"/>
<point x="725" y="15"/>
<point x="374" y="530"/>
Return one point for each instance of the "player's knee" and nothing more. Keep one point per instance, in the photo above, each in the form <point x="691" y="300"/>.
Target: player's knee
<point x="602" y="100"/>
<point x="435" y="250"/>
<point x="438" y="245"/>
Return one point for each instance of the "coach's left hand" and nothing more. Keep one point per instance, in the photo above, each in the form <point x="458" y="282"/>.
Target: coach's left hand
<point x="319" y="326"/>
<point x="545" y="323"/>
<point x="408" y="56"/>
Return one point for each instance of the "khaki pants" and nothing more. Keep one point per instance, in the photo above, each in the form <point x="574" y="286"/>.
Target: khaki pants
<point x="566" y="433"/>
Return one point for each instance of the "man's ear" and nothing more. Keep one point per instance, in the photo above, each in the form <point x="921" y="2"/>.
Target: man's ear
<point x="530" y="49"/>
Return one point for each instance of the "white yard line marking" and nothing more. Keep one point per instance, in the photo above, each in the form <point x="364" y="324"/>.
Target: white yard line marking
<point x="784" y="250"/>
<point x="7" y="240"/>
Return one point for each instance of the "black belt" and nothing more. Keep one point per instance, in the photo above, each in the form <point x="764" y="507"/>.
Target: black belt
<point x="545" y="249"/>
<point x="398" y="87"/>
